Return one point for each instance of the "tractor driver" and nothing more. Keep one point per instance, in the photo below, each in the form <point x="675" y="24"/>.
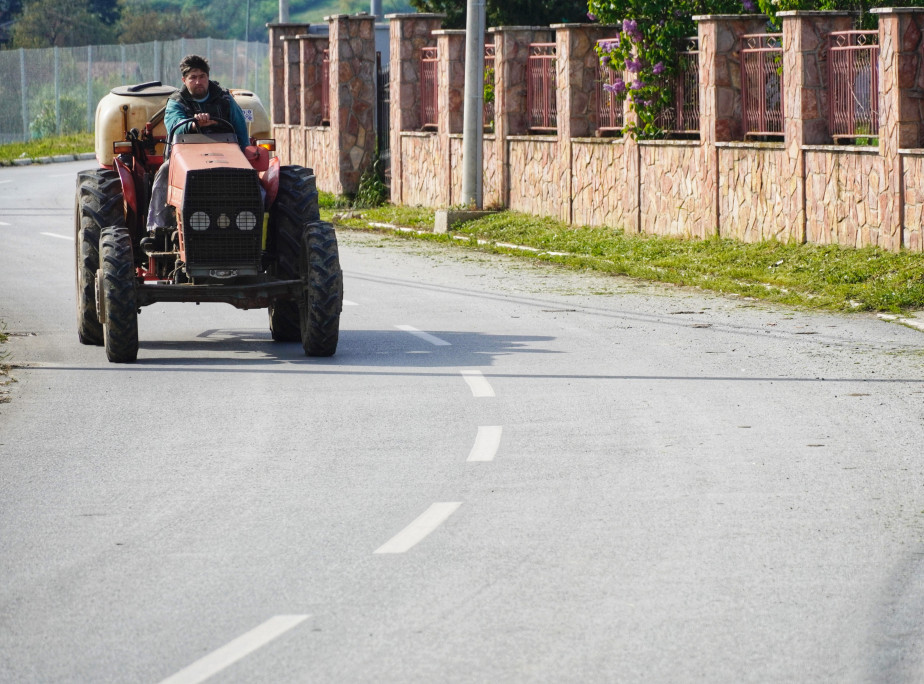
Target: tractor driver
<point x="205" y="101"/>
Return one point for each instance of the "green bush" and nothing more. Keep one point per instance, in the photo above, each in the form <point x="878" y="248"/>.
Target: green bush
<point x="73" y="118"/>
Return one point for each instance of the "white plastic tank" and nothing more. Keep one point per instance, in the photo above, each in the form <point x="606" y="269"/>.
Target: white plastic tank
<point x="125" y="108"/>
<point x="258" y="123"/>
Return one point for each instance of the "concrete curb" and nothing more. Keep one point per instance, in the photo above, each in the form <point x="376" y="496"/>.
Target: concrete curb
<point x="56" y="159"/>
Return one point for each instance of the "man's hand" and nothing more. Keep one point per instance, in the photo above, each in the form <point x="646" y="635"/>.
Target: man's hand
<point x="203" y="120"/>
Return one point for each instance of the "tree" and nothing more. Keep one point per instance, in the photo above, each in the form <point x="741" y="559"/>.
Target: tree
<point x="142" y="23"/>
<point x="509" y="12"/>
<point x="59" y="23"/>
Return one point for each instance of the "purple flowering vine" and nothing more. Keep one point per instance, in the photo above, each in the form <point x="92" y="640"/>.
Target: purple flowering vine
<point x="658" y="68"/>
<point x="617" y="87"/>
<point x="634" y="65"/>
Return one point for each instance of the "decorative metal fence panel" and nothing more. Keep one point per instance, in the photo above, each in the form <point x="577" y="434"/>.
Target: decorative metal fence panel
<point x="682" y="115"/>
<point x="610" y="116"/>
<point x="541" y="108"/>
<point x="489" y="81"/>
<point x="762" y="83"/>
<point x="325" y="88"/>
<point x="383" y="115"/>
<point x="50" y="91"/>
<point x="853" y="84"/>
<point x="429" y="92"/>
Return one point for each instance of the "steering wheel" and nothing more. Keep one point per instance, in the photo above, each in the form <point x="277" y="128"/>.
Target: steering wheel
<point x="221" y="126"/>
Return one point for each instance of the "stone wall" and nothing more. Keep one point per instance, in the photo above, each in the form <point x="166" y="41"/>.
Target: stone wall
<point x="758" y="195"/>
<point x="801" y="188"/>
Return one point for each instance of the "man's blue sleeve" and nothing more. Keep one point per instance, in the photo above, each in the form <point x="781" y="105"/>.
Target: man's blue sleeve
<point x="176" y="112"/>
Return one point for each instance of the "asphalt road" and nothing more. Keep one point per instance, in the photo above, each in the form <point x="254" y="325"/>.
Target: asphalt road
<point x="508" y="473"/>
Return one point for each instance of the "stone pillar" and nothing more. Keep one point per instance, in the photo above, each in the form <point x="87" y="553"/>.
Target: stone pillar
<point x="291" y="55"/>
<point x="407" y="34"/>
<point x="277" y="75"/>
<point x="352" y="95"/>
<point x="578" y="70"/>
<point x="511" y="50"/>
<point x="451" y="94"/>
<point x="312" y="77"/>
<point x="901" y="119"/>
<point x="805" y="95"/>
<point x="720" y="93"/>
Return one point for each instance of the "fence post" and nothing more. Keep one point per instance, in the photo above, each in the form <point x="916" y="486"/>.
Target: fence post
<point x="89" y="88"/>
<point x="450" y="97"/>
<point x="511" y="45"/>
<point x="57" y="91"/>
<point x="277" y="71"/>
<point x="408" y="33"/>
<point x="25" y="101"/>
<point x="352" y="96"/>
<point x="234" y="83"/>
<point x="901" y="122"/>
<point x="577" y="71"/>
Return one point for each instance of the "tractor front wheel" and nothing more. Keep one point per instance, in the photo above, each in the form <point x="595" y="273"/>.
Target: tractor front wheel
<point x="116" y="290"/>
<point x="98" y="204"/>
<point x="321" y="300"/>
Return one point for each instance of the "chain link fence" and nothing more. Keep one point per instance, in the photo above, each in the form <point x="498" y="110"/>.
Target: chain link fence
<point x="54" y="91"/>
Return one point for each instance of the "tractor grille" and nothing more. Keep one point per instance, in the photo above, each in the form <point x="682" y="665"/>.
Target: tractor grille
<point x="223" y="219"/>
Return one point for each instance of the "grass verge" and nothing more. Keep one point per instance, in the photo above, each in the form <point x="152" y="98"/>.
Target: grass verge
<point x="812" y="276"/>
<point x="47" y="147"/>
<point x="5" y="378"/>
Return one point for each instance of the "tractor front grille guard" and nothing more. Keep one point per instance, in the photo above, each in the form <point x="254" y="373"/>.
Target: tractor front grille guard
<point x="223" y="221"/>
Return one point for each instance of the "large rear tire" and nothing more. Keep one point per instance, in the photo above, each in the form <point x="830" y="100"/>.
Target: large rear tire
<point x="321" y="302"/>
<point x="118" y="303"/>
<point x="98" y="203"/>
<point x="296" y="205"/>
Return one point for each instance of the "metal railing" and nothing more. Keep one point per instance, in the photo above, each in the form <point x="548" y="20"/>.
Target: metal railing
<point x="682" y="115"/>
<point x="853" y="84"/>
<point x="541" y="108"/>
<point x="490" y="80"/>
<point x="762" y="84"/>
<point x="325" y="88"/>
<point x="429" y="91"/>
<point x="610" y="116"/>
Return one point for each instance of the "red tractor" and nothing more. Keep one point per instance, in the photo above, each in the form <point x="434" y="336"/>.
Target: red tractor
<point x="247" y="230"/>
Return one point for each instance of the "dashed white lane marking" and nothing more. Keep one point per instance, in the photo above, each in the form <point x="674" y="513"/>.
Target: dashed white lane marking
<point x="60" y="237"/>
<point x="6" y="181"/>
<point x="5" y="224"/>
<point x="233" y="651"/>
<point x="428" y="521"/>
<point x="486" y="444"/>
<point x="476" y="382"/>
<point x="432" y="339"/>
<point x="347" y="302"/>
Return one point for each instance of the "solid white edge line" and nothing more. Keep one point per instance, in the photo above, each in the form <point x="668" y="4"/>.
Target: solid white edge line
<point x="425" y="523"/>
<point x="477" y="383"/>
<point x="432" y="339"/>
<point x="230" y="653"/>
<point x="60" y="237"/>
<point x="486" y="444"/>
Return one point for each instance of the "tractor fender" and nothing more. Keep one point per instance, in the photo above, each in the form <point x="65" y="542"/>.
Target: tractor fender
<point x="270" y="181"/>
<point x="129" y="195"/>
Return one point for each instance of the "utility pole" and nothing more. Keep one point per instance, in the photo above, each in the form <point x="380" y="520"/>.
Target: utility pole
<point x="473" y="112"/>
<point x="283" y="11"/>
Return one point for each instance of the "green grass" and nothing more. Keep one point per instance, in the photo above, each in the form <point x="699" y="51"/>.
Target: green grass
<point x="826" y="277"/>
<point x="47" y="147"/>
<point x="814" y="276"/>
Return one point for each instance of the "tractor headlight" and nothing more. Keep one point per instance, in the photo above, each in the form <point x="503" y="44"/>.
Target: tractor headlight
<point x="246" y="220"/>
<point x="199" y="221"/>
<point x="224" y="221"/>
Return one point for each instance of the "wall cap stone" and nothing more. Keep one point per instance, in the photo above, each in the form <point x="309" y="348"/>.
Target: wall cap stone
<point x="753" y="145"/>
<point x="533" y="138"/>
<point x="418" y="134"/>
<point x="669" y="143"/>
<point x="915" y="152"/>
<point x="847" y="149"/>
<point x="276" y="24"/>
<point x="415" y="15"/>
<point x="448" y="32"/>
<point x="816" y="13"/>
<point x="501" y="29"/>
<point x="600" y="141"/>
<point x="897" y="10"/>
<point x="578" y="25"/>
<point x="727" y="17"/>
